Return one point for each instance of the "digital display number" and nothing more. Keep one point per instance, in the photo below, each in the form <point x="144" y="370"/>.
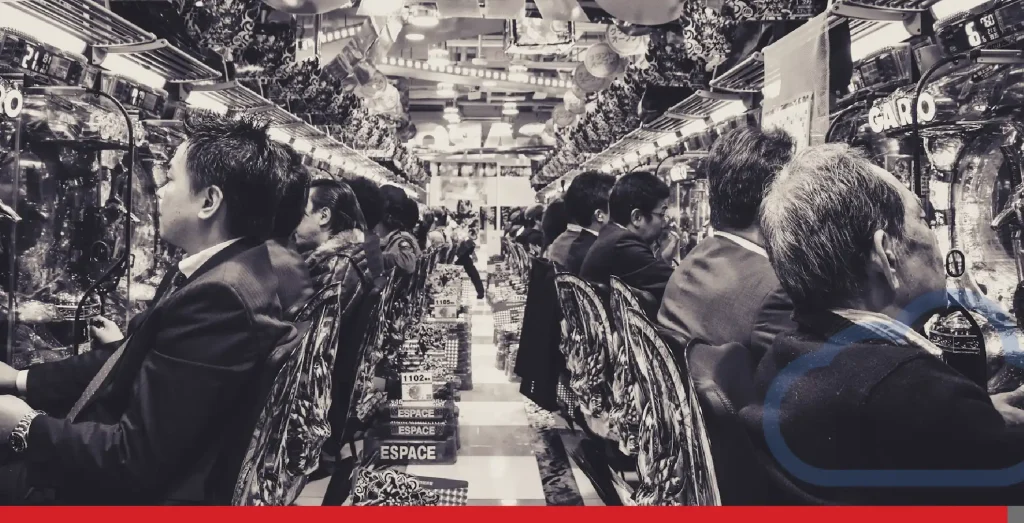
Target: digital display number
<point x="36" y="59"/>
<point x="982" y="30"/>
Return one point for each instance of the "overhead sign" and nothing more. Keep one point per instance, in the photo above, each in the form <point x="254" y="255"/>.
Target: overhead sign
<point x="471" y="135"/>
<point x="895" y="112"/>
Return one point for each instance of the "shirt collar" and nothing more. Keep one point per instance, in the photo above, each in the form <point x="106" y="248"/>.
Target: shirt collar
<point x="743" y="242"/>
<point x="190" y="264"/>
<point x="572" y="227"/>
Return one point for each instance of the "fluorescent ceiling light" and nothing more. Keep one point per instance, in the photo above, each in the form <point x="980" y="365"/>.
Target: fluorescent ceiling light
<point x="694" y="127"/>
<point x="490" y="83"/>
<point x="948" y="7"/>
<point x="414" y="37"/>
<point x="886" y="34"/>
<point x="424" y="20"/>
<point x="734" y="108"/>
<point x="202" y="100"/>
<point x="667" y="140"/>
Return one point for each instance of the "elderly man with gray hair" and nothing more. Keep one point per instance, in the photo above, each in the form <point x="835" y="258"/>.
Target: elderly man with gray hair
<point x="855" y="387"/>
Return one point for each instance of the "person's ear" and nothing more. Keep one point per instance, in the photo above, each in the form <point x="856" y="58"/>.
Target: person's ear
<point x="324" y="217"/>
<point x="213" y="199"/>
<point x="883" y="259"/>
<point x="636" y="217"/>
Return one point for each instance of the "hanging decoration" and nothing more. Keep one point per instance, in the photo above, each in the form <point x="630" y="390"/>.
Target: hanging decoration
<point x="309" y="7"/>
<point x="602" y="61"/>
<point x="244" y="32"/>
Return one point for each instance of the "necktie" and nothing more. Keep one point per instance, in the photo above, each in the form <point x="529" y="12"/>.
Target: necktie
<point x="101" y="376"/>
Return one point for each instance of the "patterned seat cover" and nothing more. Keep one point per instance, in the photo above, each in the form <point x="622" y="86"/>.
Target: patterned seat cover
<point x="675" y="463"/>
<point x="625" y="410"/>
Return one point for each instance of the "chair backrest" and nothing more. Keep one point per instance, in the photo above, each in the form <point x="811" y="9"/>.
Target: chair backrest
<point x="540" y="362"/>
<point x="625" y="392"/>
<point x="589" y="338"/>
<point x="292" y="424"/>
<point x="365" y="400"/>
<point x="723" y="379"/>
<point x="675" y="462"/>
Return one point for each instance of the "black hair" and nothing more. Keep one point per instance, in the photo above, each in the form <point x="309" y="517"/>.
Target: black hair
<point x="294" y="193"/>
<point x="741" y="166"/>
<point x="423" y="229"/>
<point x="396" y="209"/>
<point x="239" y="157"/>
<point x="338" y="197"/>
<point x="370" y="199"/>
<point x="441" y="217"/>
<point x="587" y="194"/>
<point x="637" y="190"/>
<point x="556" y="221"/>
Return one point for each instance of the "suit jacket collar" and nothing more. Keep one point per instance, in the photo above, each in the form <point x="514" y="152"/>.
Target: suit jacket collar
<point x="225" y="254"/>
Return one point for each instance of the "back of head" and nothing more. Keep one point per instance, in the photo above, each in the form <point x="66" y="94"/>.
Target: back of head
<point x="587" y="194"/>
<point x="370" y="200"/>
<point x="440" y="218"/>
<point x="338" y="197"/>
<point x="556" y="221"/>
<point x="237" y="155"/>
<point x="395" y="215"/>
<point x="294" y="193"/>
<point x="533" y="215"/>
<point x="741" y="166"/>
<point x="637" y="190"/>
<point x="819" y="219"/>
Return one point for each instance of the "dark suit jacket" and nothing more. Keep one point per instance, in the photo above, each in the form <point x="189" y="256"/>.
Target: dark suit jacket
<point x="722" y="293"/>
<point x="160" y="426"/>
<point x="578" y="251"/>
<point x="619" y="252"/>
<point x="877" y="406"/>
<point x="296" y="285"/>
<point x="375" y="259"/>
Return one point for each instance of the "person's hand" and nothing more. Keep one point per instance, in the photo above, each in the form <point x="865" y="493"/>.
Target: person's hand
<point x="104" y="331"/>
<point x="1014" y="398"/>
<point x="670" y="247"/>
<point x="12" y="410"/>
<point x="8" y="379"/>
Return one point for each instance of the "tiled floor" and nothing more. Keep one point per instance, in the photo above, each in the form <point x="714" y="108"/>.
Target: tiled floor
<point x="510" y="454"/>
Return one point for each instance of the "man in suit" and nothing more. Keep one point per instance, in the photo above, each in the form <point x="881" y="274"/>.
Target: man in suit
<point x="154" y="418"/>
<point x="725" y="290"/>
<point x="586" y="199"/>
<point x="637" y="205"/>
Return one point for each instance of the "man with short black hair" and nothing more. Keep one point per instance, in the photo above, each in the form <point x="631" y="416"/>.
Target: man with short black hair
<point x="637" y="206"/>
<point x="155" y="418"/>
<point x="854" y="394"/>
<point x="725" y="290"/>
<point x="586" y="199"/>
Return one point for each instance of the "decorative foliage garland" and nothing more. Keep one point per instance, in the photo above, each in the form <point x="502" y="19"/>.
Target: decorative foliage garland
<point x="241" y="31"/>
<point x="612" y="115"/>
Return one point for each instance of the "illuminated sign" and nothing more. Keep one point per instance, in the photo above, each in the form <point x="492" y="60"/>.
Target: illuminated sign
<point x="12" y="99"/>
<point x="401" y="451"/>
<point x="894" y="113"/>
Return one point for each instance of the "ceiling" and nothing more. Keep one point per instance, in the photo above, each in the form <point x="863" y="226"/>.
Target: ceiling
<point x="482" y="76"/>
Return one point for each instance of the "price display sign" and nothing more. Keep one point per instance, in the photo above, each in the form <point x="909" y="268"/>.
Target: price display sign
<point x="417" y="386"/>
<point x="983" y="28"/>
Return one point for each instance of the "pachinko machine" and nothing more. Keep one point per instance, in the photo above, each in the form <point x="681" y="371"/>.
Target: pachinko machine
<point x="78" y="171"/>
<point x="951" y="129"/>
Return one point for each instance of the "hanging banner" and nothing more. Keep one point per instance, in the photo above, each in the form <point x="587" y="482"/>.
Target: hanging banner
<point x="644" y="12"/>
<point x="796" y="92"/>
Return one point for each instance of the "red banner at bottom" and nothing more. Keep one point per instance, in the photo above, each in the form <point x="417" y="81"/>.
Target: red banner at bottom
<point x="520" y="514"/>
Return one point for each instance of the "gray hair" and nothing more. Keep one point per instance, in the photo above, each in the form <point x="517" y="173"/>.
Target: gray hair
<point x="819" y="218"/>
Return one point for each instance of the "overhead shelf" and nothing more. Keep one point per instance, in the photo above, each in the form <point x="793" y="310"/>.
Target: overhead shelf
<point x="165" y="60"/>
<point x="233" y="94"/>
<point x="747" y="76"/>
<point x="86" y="20"/>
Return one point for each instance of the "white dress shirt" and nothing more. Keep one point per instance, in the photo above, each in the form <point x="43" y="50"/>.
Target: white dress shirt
<point x="188" y="266"/>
